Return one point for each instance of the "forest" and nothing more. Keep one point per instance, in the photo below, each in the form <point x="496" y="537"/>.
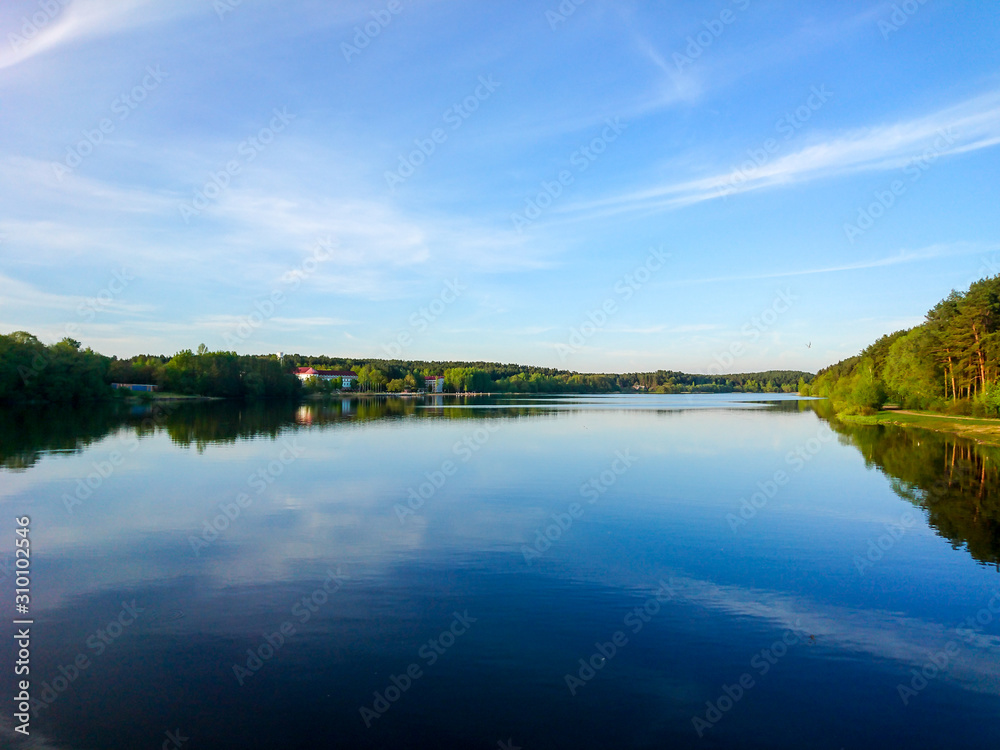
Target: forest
<point x="948" y="363"/>
<point x="32" y="372"/>
<point x="480" y="377"/>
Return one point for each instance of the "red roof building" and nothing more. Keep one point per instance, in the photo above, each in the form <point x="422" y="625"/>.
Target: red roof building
<point x="347" y="377"/>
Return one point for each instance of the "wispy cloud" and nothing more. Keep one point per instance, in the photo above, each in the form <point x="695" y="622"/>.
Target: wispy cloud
<point x="903" y="256"/>
<point x="222" y="321"/>
<point x="74" y="21"/>
<point x="255" y="232"/>
<point x="969" y="126"/>
<point x="18" y="294"/>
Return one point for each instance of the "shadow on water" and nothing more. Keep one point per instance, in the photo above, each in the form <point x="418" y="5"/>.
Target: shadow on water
<point x="28" y="433"/>
<point x="955" y="480"/>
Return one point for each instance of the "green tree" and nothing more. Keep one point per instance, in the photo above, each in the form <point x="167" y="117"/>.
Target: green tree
<point x="911" y="374"/>
<point x="868" y="393"/>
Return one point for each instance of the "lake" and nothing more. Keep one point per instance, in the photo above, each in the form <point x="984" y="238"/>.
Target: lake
<point x="634" y="571"/>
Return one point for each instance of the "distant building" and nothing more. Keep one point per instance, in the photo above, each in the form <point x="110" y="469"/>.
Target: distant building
<point x="347" y="377"/>
<point x="136" y="386"/>
<point x="434" y="383"/>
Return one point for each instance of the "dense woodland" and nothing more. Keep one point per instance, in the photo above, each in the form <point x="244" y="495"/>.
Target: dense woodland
<point x="951" y="362"/>
<point x="31" y="371"/>
<point x="397" y="375"/>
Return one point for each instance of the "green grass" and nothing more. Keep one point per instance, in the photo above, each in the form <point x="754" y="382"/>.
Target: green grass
<point x="859" y="419"/>
<point x="978" y="429"/>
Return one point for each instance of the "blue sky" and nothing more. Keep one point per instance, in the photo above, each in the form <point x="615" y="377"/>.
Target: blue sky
<point x="490" y="180"/>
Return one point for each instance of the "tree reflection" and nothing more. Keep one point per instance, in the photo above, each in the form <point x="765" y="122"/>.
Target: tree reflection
<point x="30" y="432"/>
<point x="956" y="480"/>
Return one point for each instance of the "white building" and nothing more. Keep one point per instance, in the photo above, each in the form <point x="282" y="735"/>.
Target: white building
<point x="347" y="377"/>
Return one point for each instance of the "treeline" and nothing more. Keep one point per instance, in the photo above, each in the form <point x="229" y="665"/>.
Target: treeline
<point x="31" y="371"/>
<point x="951" y="362"/>
<point x="205" y="373"/>
<point x="463" y="377"/>
<point x="771" y="381"/>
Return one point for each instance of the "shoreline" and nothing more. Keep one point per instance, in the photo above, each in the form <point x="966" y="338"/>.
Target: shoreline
<point x="983" y="431"/>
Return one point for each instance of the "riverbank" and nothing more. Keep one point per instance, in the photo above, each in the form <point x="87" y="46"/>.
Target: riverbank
<point x="986" y="431"/>
<point x="403" y="394"/>
<point x="144" y="397"/>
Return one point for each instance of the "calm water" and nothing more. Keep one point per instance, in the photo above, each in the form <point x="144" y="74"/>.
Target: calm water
<point x="601" y="572"/>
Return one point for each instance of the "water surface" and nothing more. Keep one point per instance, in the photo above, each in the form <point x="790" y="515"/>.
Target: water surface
<point x="601" y="571"/>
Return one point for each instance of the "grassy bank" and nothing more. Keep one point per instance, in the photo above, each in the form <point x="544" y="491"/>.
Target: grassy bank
<point x="981" y="430"/>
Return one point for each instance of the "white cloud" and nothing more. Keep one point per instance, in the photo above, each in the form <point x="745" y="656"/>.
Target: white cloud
<point x="76" y="20"/>
<point x="19" y="294"/>
<point x="968" y="126"/>
<point x="903" y="256"/>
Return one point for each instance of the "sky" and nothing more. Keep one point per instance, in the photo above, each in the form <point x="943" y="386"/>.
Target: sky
<point x="598" y="186"/>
